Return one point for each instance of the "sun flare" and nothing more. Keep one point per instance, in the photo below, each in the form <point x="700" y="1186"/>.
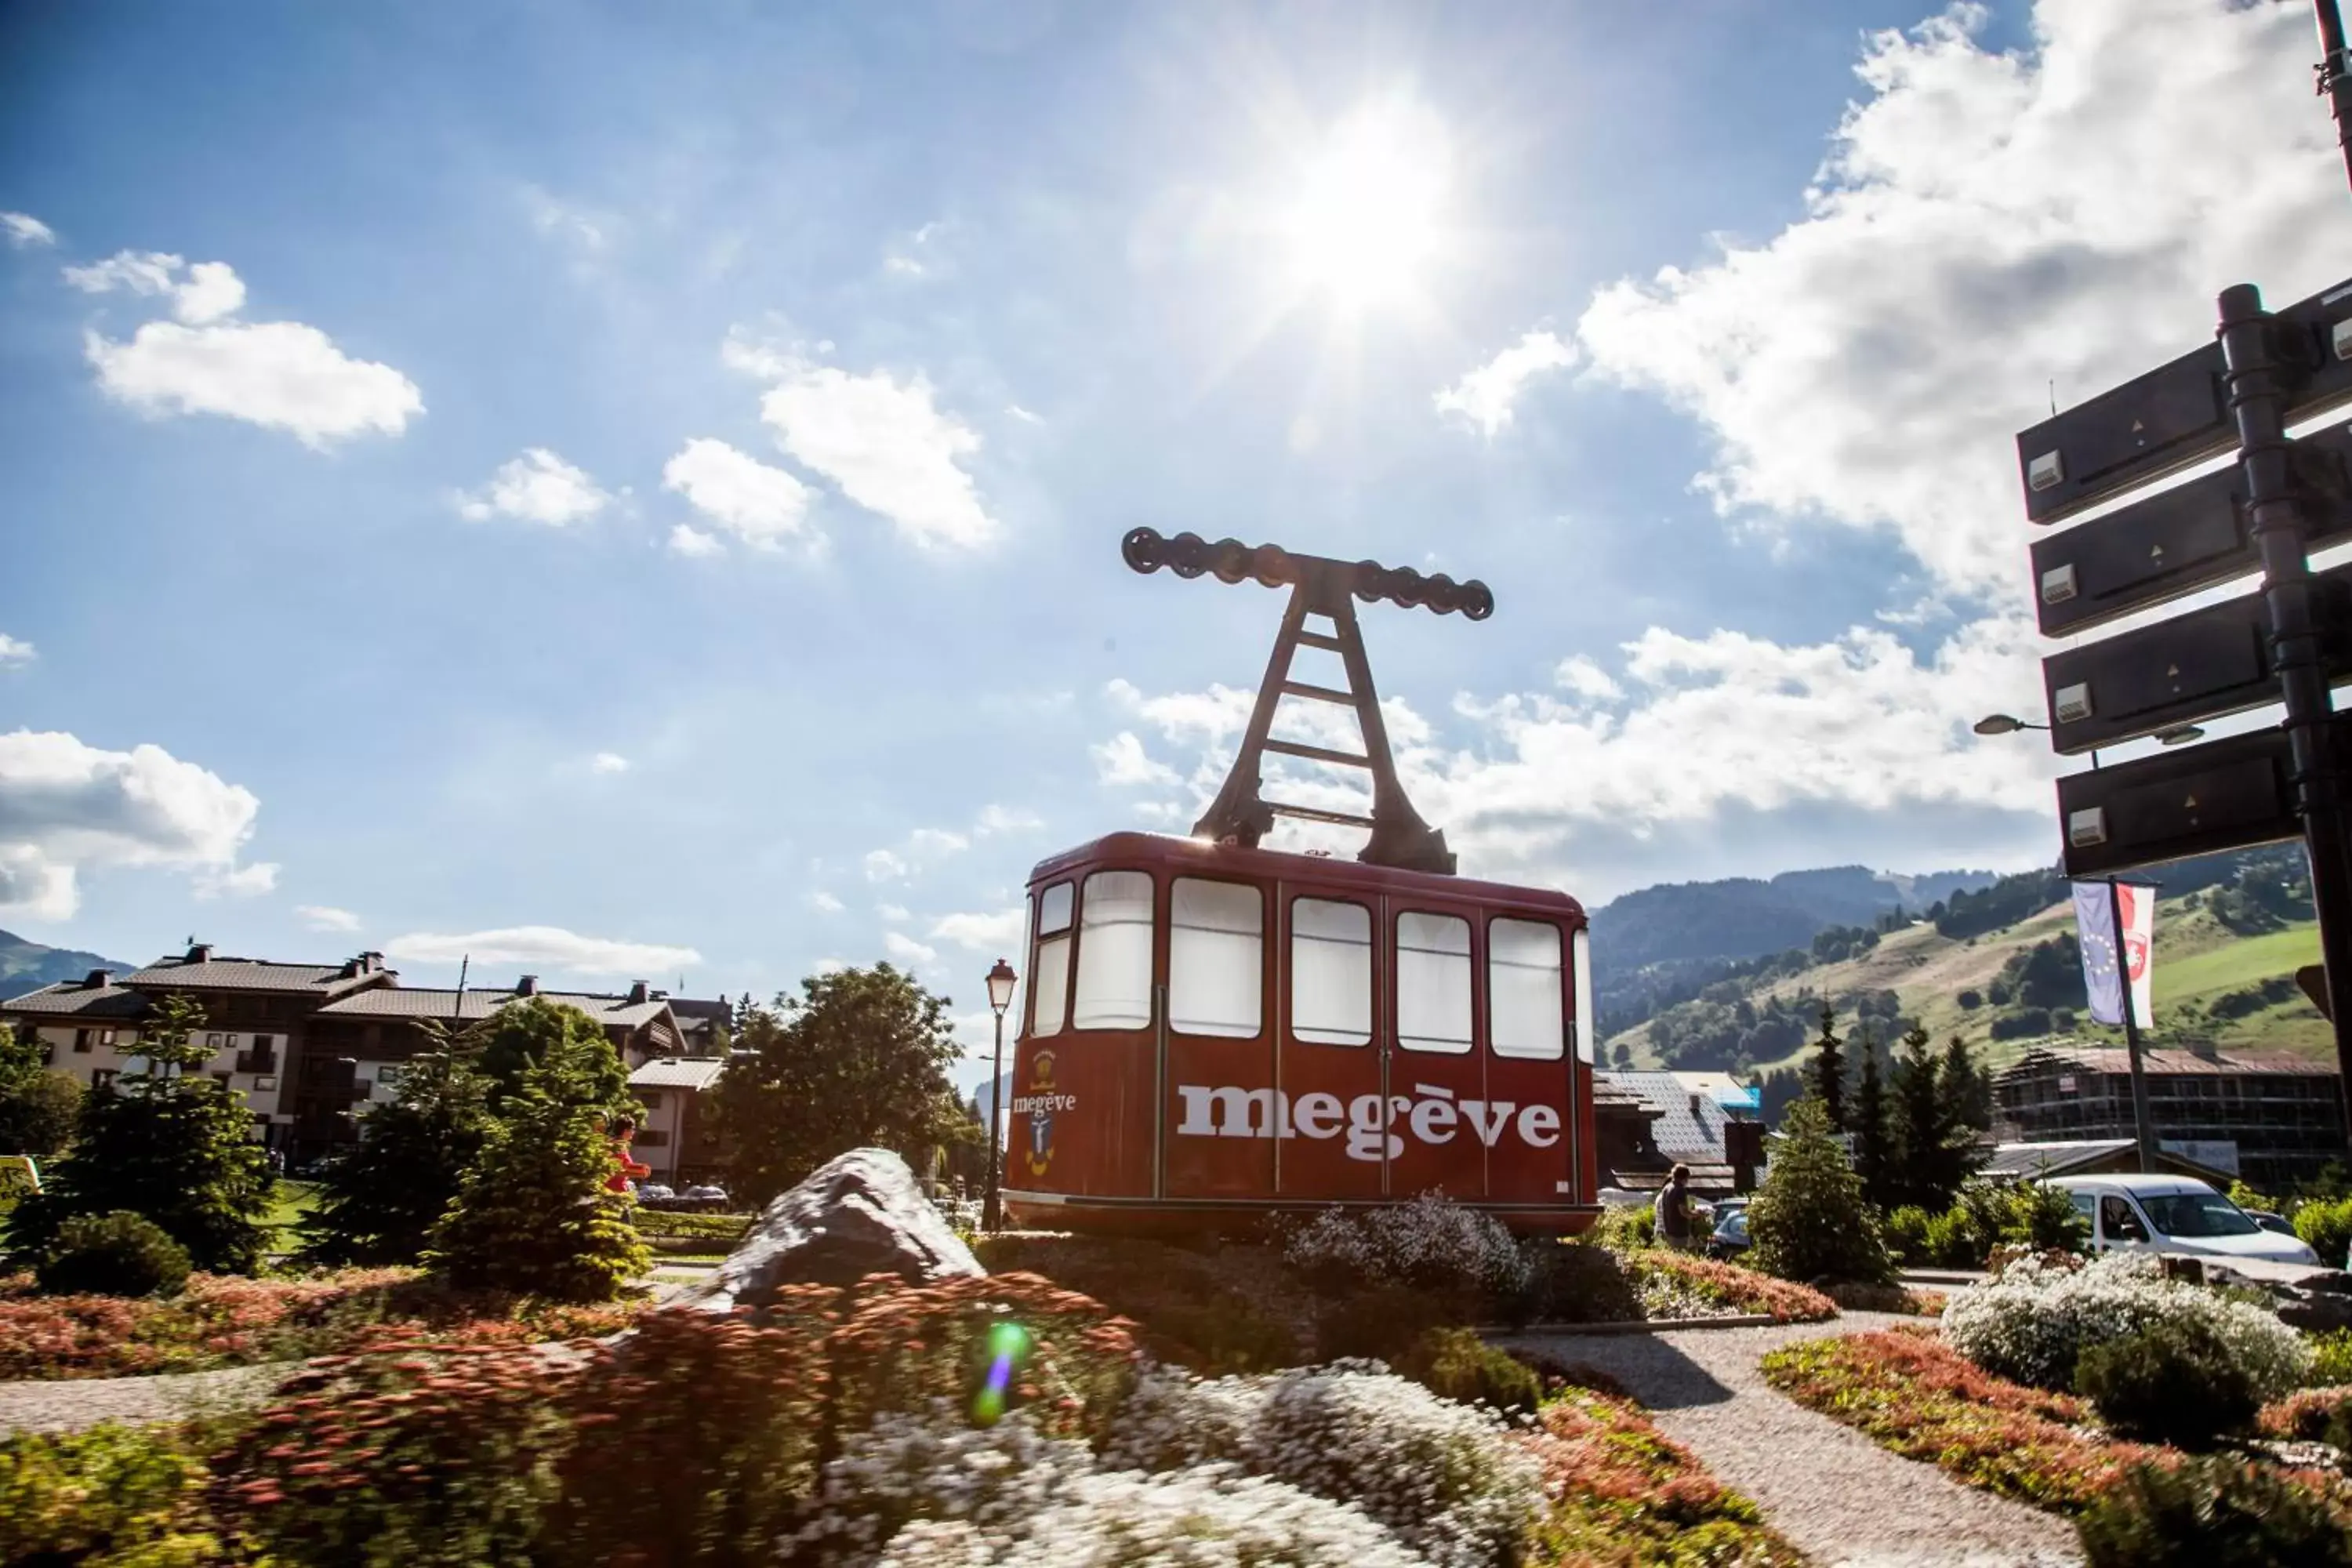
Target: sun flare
<point x="1369" y="212"/>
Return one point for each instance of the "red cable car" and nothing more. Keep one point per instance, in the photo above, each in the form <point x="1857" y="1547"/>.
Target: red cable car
<point x="1213" y="1031"/>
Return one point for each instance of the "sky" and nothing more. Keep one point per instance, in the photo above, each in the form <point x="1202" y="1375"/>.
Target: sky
<point x="622" y="492"/>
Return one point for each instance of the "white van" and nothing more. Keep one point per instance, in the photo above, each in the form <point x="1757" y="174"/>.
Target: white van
<point x="2173" y="1214"/>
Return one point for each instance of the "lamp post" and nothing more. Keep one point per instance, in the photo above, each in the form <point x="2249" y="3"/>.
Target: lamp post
<point x="1000" y="996"/>
<point x="2143" y="1122"/>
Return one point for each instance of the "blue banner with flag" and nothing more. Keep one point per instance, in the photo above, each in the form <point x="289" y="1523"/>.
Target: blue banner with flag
<point x="2113" y="960"/>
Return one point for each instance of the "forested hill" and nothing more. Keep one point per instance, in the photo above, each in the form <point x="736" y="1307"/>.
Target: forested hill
<point x="1997" y="961"/>
<point x="27" y="965"/>
<point x="1741" y="917"/>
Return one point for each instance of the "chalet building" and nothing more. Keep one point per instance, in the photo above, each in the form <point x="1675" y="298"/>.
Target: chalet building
<point x="1645" y="1123"/>
<point x="2279" y="1118"/>
<point x="676" y="1141"/>
<point x="309" y="1045"/>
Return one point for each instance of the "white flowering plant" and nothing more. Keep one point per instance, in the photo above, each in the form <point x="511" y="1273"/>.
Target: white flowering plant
<point x="1431" y="1241"/>
<point x="2033" y="1320"/>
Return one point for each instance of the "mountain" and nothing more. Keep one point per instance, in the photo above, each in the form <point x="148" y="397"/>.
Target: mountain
<point x="1741" y="917"/>
<point x="27" y="965"/>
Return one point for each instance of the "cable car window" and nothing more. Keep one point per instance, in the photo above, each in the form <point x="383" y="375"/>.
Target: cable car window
<point x="1432" y="982"/>
<point x="1330" y="972"/>
<point x="1580" y="950"/>
<point x="1114" y="953"/>
<point x="1050" y="975"/>
<point x="1216" y="958"/>
<point x="1523" y="990"/>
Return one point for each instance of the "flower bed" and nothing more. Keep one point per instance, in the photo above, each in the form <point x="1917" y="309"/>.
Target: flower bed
<point x="1625" y="1496"/>
<point x="1732" y="1289"/>
<point x="1904" y="1299"/>
<point x="231" y="1320"/>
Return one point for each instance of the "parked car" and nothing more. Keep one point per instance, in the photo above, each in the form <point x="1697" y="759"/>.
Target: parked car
<point x="2177" y="1215"/>
<point x="2275" y="1223"/>
<point x="1730" y="1236"/>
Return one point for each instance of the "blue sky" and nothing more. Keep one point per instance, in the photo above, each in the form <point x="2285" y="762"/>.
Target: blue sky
<point x="634" y="492"/>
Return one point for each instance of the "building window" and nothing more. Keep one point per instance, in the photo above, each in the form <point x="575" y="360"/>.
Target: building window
<point x="1050" y="982"/>
<point x="388" y="1074"/>
<point x="651" y="1138"/>
<point x="102" y="1078"/>
<point x="222" y="1079"/>
<point x="1523" y="1006"/>
<point x="1432" y="982"/>
<point x="1216" y="958"/>
<point x="1114" y="953"/>
<point x="214" y="1041"/>
<point x="81" y="1040"/>
<point x="265" y="1085"/>
<point x="1330" y="972"/>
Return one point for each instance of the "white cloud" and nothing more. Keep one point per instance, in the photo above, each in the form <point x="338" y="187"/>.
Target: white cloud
<point x="762" y="506"/>
<point x="907" y="949"/>
<point x="1484" y="397"/>
<point x="896" y="915"/>
<point x="883" y="440"/>
<point x="16" y="650"/>
<point x="885" y="866"/>
<point x="1122" y="761"/>
<point x="999" y="932"/>
<point x="1580" y="675"/>
<point x="238" y="881"/>
<point x="693" y="541"/>
<point x="325" y="917"/>
<point x="936" y="843"/>
<point x="1023" y="414"/>
<point x="829" y="965"/>
<point x="577" y="226"/>
<point x="1003" y="819"/>
<point x="211" y="290"/>
<point x="1986" y="222"/>
<point x="825" y="903"/>
<point x="552" y="946"/>
<point x="66" y="807"/>
<point x="922" y="256"/>
<point x="536" y="487"/>
<point x="24" y="230"/>
<point x="608" y="762"/>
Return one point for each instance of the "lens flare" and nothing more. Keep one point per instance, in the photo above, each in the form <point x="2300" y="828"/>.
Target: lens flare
<point x="1009" y="1345"/>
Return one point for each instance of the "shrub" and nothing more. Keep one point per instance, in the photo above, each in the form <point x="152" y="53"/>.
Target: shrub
<point x="109" y="1496"/>
<point x="2212" y="1511"/>
<point x="1456" y="1364"/>
<point x="1953" y="1240"/>
<point x="1574" y="1282"/>
<point x="2031" y="1320"/>
<point x="1170" y="1418"/>
<point x="1906" y="1234"/>
<point x="1430" y="1242"/>
<point x="381" y="1197"/>
<point x="2326" y="1226"/>
<point x="1380" y="1324"/>
<point x="1809" y="1220"/>
<point x="2331" y="1358"/>
<point x="1729" y="1288"/>
<point x="2173" y="1382"/>
<point x="1625" y="1494"/>
<point x="1226" y="1334"/>
<point x="1853" y="1298"/>
<point x="1625" y="1229"/>
<point x="2311" y="1415"/>
<point x="2044" y="1217"/>
<point x="119" y="1254"/>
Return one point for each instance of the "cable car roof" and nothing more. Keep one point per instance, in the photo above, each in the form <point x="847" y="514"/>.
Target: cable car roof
<point x="1198" y="856"/>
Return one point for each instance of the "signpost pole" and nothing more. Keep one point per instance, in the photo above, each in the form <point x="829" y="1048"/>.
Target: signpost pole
<point x="2258" y="396"/>
<point x="2336" y="74"/>
<point x="2143" y="1120"/>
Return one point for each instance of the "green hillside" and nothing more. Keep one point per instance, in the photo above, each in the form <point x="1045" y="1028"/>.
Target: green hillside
<point x="2220" y="980"/>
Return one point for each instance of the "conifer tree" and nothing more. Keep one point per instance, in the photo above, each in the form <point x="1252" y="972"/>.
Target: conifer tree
<point x="1828" y="1071"/>
<point x="1809" y="1220"/>
<point x="169" y="1143"/>
<point x="1874" y="1148"/>
<point x="1966" y="1087"/>
<point x="532" y="1211"/>
<point x="1937" y="1147"/>
<point x="379" y="1202"/>
<point x="509" y="1041"/>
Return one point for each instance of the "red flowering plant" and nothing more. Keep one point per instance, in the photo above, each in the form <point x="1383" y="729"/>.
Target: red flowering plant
<point x="1742" y="1290"/>
<point x="1623" y="1493"/>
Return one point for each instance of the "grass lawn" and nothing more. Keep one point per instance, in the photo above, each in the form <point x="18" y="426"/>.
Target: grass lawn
<point x="288" y="1205"/>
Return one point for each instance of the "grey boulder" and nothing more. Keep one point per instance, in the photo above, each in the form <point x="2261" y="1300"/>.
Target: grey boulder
<point x="857" y="1215"/>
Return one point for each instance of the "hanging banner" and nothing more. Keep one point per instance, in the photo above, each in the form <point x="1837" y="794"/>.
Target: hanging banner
<point x="2094" y="926"/>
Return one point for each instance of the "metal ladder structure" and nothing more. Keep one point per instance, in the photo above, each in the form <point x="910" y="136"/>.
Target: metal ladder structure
<point x="1318" y="586"/>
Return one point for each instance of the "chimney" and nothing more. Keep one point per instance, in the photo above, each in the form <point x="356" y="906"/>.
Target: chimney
<point x="372" y="963"/>
<point x="98" y="980"/>
<point x="638" y="995"/>
<point x="526" y="986"/>
<point x="199" y="952"/>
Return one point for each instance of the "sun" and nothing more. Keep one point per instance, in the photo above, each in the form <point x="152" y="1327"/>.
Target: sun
<point x="1368" y="216"/>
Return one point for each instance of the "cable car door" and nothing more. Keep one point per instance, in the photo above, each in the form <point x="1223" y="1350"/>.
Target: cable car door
<point x="1530" y="1065"/>
<point x="1446" y="1126"/>
<point x="1331" y="1064"/>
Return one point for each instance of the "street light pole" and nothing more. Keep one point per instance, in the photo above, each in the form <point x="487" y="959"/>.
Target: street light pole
<point x="1000" y="996"/>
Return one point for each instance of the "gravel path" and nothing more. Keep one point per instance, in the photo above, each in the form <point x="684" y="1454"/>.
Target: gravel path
<point x="66" y="1405"/>
<point x="1842" y="1499"/>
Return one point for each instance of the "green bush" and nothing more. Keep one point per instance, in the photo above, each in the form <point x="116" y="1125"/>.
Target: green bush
<point x="1954" y="1241"/>
<point x="1625" y="1229"/>
<point x="1385" y="1322"/>
<point x="2173" y="1382"/>
<point x="2044" y="1217"/>
<point x="1809" y="1220"/>
<point x="1573" y="1282"/>
<point x="2326" y="1226"/>
<point x="1226" y="1334"/>
<point x="1906" y="1234"/>
<point x="118" y="1253"/>
<point x="111" y="1497"/>
<point x="1459" y="1365"/>
<point x="2331" y="1359"/>
<point x="2211" y="1513"/>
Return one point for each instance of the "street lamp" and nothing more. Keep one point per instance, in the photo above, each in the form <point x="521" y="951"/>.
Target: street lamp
<point x="2142" y="1123"/>
<point x="999" y="997"/>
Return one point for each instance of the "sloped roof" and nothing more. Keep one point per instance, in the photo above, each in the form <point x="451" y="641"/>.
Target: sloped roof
<point x="74" y="999"/>
<point x="678" y="1072"/>
<point x="1679" y="1131"/>
<point x="253" y="974"/>
<point x="2066" y="1156"/>
<point x="2164" y="1060"/>
<point x="403" y="1001"/>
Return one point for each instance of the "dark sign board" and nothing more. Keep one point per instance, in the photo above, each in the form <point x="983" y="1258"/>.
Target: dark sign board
<point x="2221" y="795"/>
<point x="2213" y="662"/>
<point x="2179" y="540"/>
<point x="2177" y="416"/>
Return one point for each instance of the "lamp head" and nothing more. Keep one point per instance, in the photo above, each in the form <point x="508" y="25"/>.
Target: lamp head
<point x="1000" y="987"/>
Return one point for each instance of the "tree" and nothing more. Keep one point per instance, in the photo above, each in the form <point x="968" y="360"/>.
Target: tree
<point x="1829" y="1071"/>
<point x="507" y="1043"/>
<point x="170" y="1143"/>
<point x="379" y="1202"/>
<point x="1809" y="1220"/>
<point x="1936" y="1146"/>
<point x="859" y="1059"/>
<point x="533" y="1212"/>
<point x="38" y="1107"/>
<point x="1966" y="1087"/>
<point x="1874" y="1148"/>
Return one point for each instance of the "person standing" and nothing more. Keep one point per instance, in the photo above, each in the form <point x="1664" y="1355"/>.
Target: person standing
<point x="1673" y="1210"/>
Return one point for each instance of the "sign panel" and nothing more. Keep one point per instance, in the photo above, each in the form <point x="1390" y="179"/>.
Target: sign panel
<point x="2224" y="795"/>
<point x="2177" y="415"/>
<point x="2213" y="662"/>
<point x="2179" y="540"/>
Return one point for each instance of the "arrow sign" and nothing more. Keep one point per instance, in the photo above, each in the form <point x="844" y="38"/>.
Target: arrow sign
<point x="2202" y="800"/>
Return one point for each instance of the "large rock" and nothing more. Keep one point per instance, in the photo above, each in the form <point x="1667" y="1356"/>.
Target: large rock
<point x="859" y="1215"/>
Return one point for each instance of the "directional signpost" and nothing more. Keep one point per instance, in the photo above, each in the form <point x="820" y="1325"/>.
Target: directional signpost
<point x="2290" y="642"/>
